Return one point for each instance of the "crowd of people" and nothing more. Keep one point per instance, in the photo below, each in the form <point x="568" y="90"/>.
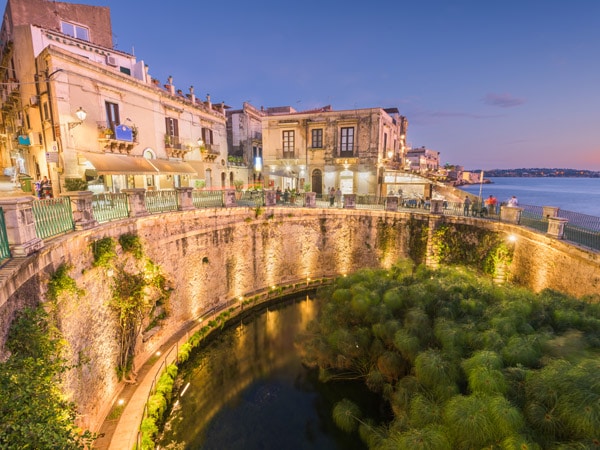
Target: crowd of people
<point x="490" y="206"/>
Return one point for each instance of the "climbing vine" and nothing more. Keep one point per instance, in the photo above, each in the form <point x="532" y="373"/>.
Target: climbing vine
<point x="60" y="282"/>
<point x="460" y="244"/>
<point x="104" y="252"/>
<point x="135" y="296"/>
<point x="417" y="244"/>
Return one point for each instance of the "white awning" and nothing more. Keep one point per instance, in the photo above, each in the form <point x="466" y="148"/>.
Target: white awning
<point x="172" y="167"/>
<point x="109" y="164"/>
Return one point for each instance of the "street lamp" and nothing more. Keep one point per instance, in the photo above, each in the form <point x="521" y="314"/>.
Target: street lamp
<point x="81" y="115"/>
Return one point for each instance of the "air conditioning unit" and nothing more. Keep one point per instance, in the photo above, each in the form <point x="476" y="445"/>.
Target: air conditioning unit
<point x="34" y="100"/>
<point x="111" y="60"/>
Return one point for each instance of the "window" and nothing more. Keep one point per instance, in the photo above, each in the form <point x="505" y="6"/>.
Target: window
<point x="317" y="138"/>
<point x="207" y="136"/>
<point x="347" y="141"/>
<point x="76" y="31"/>
<point x="288" y="144"/>
<point x="171" y="132"/>
<point x="112" y="116"/>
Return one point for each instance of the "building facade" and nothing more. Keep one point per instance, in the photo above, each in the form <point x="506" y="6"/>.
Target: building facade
<point x="244" y="139"/>
<point x="319" y="149"/>
<point x="423" y="160"/>
<point x="75" y="108"/>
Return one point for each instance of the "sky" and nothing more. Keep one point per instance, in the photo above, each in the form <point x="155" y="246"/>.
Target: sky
<point x="488" y="84"/>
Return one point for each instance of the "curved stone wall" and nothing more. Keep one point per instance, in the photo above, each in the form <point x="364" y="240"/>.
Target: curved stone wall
<point x="211" y="256"/>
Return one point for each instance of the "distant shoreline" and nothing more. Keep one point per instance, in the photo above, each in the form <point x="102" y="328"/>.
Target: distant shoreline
<point x="539" y="173"/>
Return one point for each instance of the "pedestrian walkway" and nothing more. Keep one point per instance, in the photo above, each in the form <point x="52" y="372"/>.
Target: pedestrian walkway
<point x="9" y="189"/>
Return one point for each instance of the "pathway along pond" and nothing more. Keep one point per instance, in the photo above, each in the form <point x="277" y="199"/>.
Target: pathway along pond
<point x="249" y="390"/>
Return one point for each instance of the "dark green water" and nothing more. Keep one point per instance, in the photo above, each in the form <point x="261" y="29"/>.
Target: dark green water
<point x="248" y="390"/>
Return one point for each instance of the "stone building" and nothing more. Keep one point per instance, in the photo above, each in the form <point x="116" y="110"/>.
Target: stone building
<point x="423" y="160"/>
<point x="244" y="139"/>
<point x="74" y="107"/>
<point x="318" y="149"/>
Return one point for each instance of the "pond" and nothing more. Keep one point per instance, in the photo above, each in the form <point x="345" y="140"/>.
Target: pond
<point x="247" y="389"/>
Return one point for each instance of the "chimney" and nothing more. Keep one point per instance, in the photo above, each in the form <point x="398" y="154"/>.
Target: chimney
<point x="208" y="103"/>
<point x="147" y="77"/>
<point x="171" y="86"/>
<point x="193" y="96"/>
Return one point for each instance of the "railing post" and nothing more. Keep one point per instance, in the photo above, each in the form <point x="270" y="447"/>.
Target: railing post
<point x="136" y="199"/>
<point x="391" y="203"/>
<point x="229" y="198"/>
<point x="184" y="198"/>
<point x="556" y="227"/>
<point x="310" y="199"/>
<point x="81" y="206"/>
<point x="437" y="207"/>
<point x="270" y="198"/>
<point x="510" y="214"/>
<point x="20" y="226"/>
<point x="550" y="211"/>
<point x="350" y="201"/>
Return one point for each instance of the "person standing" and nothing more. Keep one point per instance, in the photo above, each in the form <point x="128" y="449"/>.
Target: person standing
<point x="466" y="206"/>
<point x="513" y="202"/>
<point x="331" y="196"/>
<point x="338" y="197"/>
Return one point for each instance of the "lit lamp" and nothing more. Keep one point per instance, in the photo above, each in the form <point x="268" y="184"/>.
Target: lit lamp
<point x="200" y="142"/>
<point x="390" y="153"/>
<point x="81" y="115"/>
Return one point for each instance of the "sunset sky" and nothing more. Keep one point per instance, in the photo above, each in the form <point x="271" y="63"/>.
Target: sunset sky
<point x="489" y="84"/>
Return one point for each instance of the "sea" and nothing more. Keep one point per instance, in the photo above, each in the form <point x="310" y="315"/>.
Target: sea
<point x="580" y="195"/>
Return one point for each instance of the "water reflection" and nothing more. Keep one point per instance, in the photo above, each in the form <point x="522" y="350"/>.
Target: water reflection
<point x="248" y="390"/>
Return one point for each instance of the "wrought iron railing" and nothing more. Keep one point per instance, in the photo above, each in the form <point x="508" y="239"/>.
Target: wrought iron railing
<point x="533" y="217"/>
<point x="4" y="248"/>
<point x="107" y="207"/>
<point x="207" y="199"/>
<point x="52" y="216"/>
<point x="161" y="201"/>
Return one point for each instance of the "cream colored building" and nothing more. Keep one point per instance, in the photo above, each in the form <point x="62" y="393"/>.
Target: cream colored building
<point x="244" y="139"/>
<point x="355" y="150"/>
<point x="423" y="160"/>
<point x="133" y="133"/>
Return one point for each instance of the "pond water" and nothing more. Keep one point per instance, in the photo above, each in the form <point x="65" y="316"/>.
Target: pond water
<point x="247" y="389"/>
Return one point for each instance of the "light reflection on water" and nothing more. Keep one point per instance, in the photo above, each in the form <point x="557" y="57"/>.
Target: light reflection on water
<point x="248" y="390"/>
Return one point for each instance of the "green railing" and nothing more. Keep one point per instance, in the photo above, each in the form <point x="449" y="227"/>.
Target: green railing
<point x="4" y="249"/>
<point x="52" y="216"/>
<point x="207" y="199"/>
<point x="107" y="207"/>
<point x="161" y="201"/>
<point x="250" y="198"/>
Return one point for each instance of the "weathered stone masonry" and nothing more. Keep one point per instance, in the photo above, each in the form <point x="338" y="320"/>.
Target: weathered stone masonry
<point x="211" y="256"/>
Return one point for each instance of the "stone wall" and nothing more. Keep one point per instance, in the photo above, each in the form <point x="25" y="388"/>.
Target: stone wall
<point x="212" y="256"/>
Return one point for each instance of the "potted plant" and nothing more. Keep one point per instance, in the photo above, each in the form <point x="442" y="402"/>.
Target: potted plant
<point x="107" y="133"/>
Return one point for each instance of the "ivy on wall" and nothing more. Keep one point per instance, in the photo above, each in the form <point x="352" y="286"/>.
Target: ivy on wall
<point x="417" y="239"/>
<point x="135" y="294"/>
<point x="460" y="244"/>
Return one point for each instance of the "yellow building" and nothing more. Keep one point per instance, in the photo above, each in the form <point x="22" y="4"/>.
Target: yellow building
<point x="75" y="108"/>
<point x="322" y="148"/>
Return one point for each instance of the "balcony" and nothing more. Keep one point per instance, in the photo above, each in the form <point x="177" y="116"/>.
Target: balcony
<point x="210" y="151"/>
<point x="116" y="143"/>
<point x="287" y="153"/>
<point x="175" y="147"/>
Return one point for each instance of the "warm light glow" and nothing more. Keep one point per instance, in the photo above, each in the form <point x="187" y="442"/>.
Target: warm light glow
<point x="121" y="402"/>
<point x="512" y="238"/>
<point x="184" y="389"/>
<point x="158" y="353"/>
<point x="81" y="114"/>
<point x="241" y="298"/>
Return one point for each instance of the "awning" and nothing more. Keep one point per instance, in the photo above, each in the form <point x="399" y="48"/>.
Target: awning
<point x="198" y="167"/>
<point x="109" y="164"/>
<point x="172" y="167"/>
